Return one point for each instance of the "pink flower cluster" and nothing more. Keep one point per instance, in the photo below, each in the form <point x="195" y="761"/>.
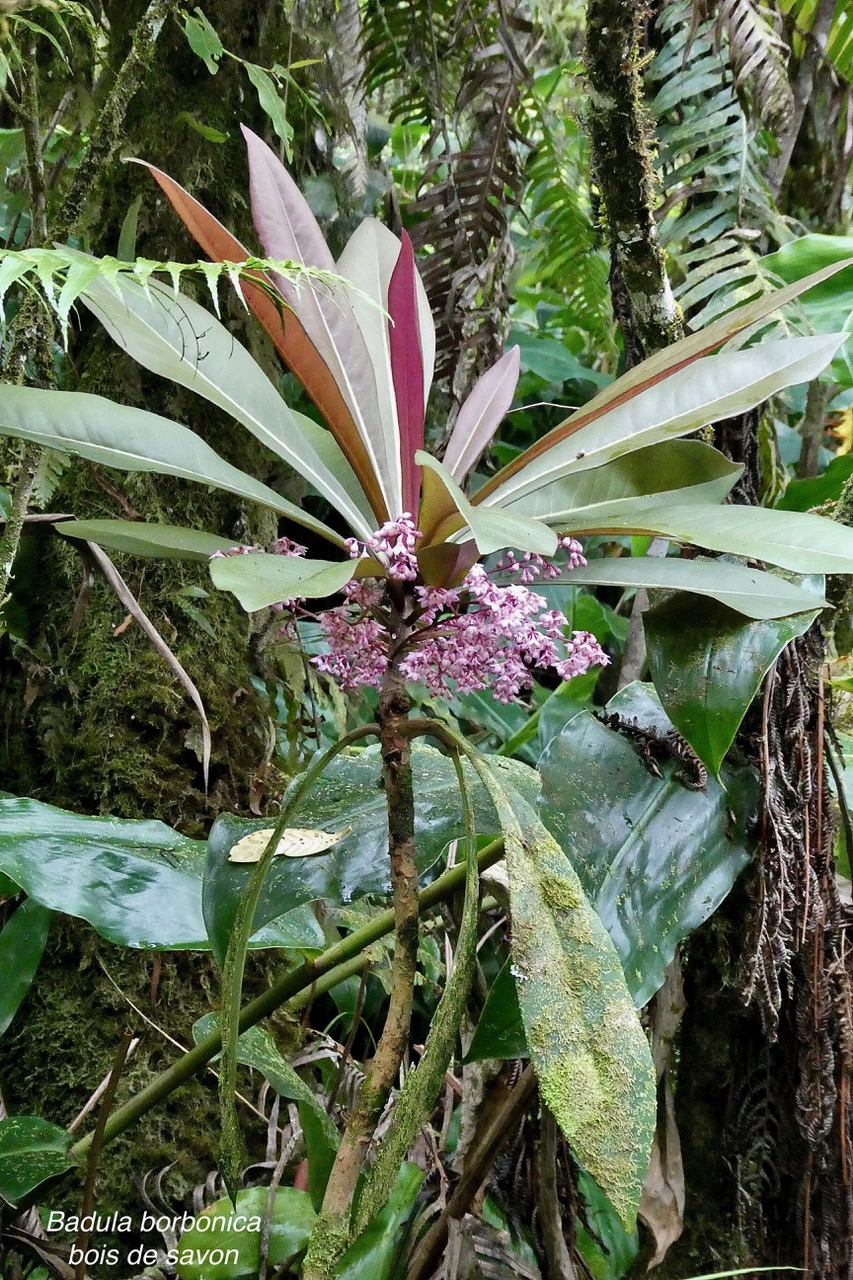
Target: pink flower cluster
<point x="475" y="636"/>
<point x="394" y="546"/>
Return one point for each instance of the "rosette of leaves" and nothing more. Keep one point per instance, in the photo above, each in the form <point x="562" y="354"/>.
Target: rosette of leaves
<point x="363" y="350"/>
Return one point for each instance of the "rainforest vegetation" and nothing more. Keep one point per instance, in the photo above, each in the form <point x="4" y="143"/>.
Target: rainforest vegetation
<point x="426" y="731"/>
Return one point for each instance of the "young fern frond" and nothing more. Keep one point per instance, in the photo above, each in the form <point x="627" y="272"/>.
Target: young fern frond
<point x="61" y="276"/>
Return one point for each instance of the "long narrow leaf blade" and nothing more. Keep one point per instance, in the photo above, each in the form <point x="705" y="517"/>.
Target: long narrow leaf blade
<point x="180" y="340"/>
<point x="407" y="368"/>
<point x="751" y="592"/>
<point x="287" y="229"/>
<point x="283" y="326"/>
<point x="131" y="440"/>
<point x="482" y="414"/>
<point x="790" y="539"/>
<point x="368" y="260"/>
<point x="664" y="364"/>
<point x="690" y="398"/>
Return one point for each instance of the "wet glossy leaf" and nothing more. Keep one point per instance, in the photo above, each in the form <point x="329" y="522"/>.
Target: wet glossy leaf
<point x="22" y="944"/>
<point x="348" y="795"/>
<point x="500" y="1030"/>
<point x="708" y="663"/>
<point x="31" y="1151"/>
<point x="373" y="1255"/>
<point x="655" y="857"/>
<point x="137" y="883"/>
<point x="292" y="1222"/>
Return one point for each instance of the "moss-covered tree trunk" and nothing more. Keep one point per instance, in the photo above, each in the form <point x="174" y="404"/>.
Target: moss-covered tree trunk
<point x="90" y="718"/>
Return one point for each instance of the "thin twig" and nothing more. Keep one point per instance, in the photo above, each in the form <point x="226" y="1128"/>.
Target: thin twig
<point x="88" y="1205"/>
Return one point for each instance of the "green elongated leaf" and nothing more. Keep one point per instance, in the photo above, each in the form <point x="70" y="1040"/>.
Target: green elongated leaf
<point x="259" y="580"/>
<point x="829" y="303"/>
<point x="256" y="1048"/>
<point x="587" y="1046"/>
<point x="790" y="539"/>
<point x="131" y="440"/>
<point x="207" y="1252"/>
<point x="708" y="663"/>
<point x="271" y="103"/>
<point x="500" y="1029"/>
<point x="677" y="471"/>
<point x="368" y="259"/>
<point x="655" y="857"/>
<point x="373" y="1254"/>
<point x="492" y="530"/>
<point x="5" y="504"/>
<point x="203" y="39"/>
<point x="658" y="368"/>
<point x="349" y="795"/>
<point x="138" y="883"/>
<point x="31" y="1151"/>
<point x="748" y="591"/>
<point x="22" y="944"/>
<point x="165" y="541"/>
<point x="707" y="391"/>
<point x="175" y="337"/>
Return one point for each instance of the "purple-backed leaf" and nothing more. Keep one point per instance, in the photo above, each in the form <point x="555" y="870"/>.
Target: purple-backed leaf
<point x="407" y="369"/>
<point x="286" y="330"/>
<point x="288" y="231"/>
<point x="482" y="414"/>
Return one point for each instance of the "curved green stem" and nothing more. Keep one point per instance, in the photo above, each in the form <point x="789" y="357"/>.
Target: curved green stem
<point x="235" y="959"/>
<point x="321" y="974"/>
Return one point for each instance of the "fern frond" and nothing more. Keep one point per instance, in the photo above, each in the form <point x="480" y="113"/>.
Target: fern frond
<point x="61" y="275"/>
<point x="711" y="164"/>
<point x="758" y="56"/>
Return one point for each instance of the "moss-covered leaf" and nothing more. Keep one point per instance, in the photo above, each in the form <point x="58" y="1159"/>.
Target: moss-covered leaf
<point x="31" y="1151"/>
<point x="585" y="1040"/>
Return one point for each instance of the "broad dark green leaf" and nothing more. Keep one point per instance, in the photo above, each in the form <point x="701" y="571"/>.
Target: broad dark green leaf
<point x="748" y="591"/>
<point x="585" y="1040"/>
<point x="31" y="1151"/>
<point x="138" y="883"/>
<point x="22" y="944"/>
<point x="348" y="794"/>
<point x="802" y="495"/>
<point x="500" y="1030"/>
<point x="373" y="1254"/>
<point x="166" y="541"/>
<point x="707" y="664"/>
<point x="203" y="1251"/>
<point x="655" y="857"/>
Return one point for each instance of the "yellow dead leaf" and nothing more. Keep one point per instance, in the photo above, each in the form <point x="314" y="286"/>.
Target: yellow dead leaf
<point x="295" y="842"/>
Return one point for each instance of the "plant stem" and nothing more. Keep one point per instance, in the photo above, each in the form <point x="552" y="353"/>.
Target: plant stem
<point x="332" y="1232"/>
<point x="333" y="966"/>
